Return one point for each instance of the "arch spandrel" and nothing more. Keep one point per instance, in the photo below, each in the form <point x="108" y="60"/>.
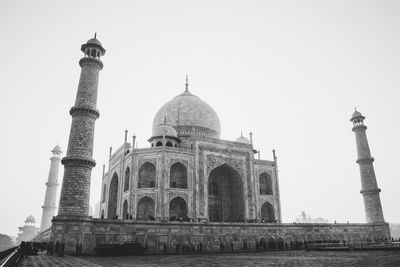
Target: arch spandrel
<point x="172" y="161"/>
<point x="214" y="161"/>
<point x="149" y="160"/>
<point x="139" y="196"/>
<point x="172" y="195"/>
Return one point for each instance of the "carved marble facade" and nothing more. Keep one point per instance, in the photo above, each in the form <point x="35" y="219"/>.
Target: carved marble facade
<point x="199" y="159"/>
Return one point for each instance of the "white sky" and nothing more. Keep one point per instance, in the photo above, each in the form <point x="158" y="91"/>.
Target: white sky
<point x="290" y="71"/>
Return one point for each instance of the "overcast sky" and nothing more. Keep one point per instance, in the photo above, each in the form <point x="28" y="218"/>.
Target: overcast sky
<point x="289" y="71"/>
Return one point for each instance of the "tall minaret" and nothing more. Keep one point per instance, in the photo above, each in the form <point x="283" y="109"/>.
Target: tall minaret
<point x="78" y="163"/>
<point x="369" y="187"/>
<point x="49" y="205"/>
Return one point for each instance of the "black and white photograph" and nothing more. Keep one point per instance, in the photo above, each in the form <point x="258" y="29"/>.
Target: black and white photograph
<point x="199" y="133"/>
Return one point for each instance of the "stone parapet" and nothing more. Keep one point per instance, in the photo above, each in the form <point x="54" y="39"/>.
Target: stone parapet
<point x="153" y="235"/>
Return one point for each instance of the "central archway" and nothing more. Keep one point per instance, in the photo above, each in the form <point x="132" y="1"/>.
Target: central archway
<point x="225" y="195"/>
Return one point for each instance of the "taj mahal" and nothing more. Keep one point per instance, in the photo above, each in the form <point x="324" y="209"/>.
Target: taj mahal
<point x="188" y="173"/>
<point x="187" y="186"/>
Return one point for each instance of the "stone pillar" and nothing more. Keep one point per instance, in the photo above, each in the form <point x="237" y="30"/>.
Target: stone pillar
<point x="49" y="205"/>
<point x="78" y="163"/>
<point x="369" y="186"/>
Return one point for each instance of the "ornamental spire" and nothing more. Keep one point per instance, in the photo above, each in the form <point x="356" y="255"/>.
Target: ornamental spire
<point x="187" y="84"/>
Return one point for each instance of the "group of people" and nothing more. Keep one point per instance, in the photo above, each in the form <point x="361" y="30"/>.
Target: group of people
<point x="56" y="249"/>
<point x="29" y="248"/>
<point x="186" y="247"/>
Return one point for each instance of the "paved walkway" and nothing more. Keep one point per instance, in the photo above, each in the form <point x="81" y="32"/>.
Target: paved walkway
<point x="278" y="258"/>
<point x="43" y="260"/>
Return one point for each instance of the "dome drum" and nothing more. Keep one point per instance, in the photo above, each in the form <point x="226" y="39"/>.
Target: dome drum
<point x="187" y="131"/>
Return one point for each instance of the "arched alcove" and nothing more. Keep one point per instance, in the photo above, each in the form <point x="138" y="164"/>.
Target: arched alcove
<point x="145" y="209"/>
<point x="225" y="196"/>
<point x="178" y="176"/>
<point x="104" y="193"/>
<point x="125" y="210"/>
<point x="268" y="212"/>
<point x="265" y="184"/>
<point x="147" y="175"/>
<point x="272" y="243"/>
<point x="178" y="209"/>
<point x="113" y="197"/>
<point x="126" y="180"/>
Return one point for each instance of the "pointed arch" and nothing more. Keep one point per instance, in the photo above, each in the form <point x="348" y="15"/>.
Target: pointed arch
<point x="178" y="176"/>
<point x="145" y="209"/>
<point x="266" y="184"/>
<point x="125" y="210"/>
<point x="126" y="180"/>
<point x="268" y="212"/>
<point x="272" y="243"/>
<point x="178" y="209"/>
<point x="113" y="197"/>
<point x="147" y="175"/>
<point x="104" y="193"/>
<point x="226" y="195"/>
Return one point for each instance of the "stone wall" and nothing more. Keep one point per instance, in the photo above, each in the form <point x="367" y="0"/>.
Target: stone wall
<point x="154" y="235"/>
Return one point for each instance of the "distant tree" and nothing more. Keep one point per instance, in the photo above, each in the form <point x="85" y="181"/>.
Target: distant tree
<point x="304" y="218"/>
<point x="5" y="242"/>
<point x="395" y="230"/>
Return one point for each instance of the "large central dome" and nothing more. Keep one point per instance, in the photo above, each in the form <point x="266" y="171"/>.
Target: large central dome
<point x="190" y="116"/>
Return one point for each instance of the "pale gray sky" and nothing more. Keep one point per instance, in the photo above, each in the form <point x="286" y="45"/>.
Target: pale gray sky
<point x="289" y="71"/>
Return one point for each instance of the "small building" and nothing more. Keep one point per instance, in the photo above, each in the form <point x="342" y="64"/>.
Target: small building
<point x="28" y="231"/>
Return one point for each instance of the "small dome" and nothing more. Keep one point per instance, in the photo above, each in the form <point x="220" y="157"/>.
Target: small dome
<point x="164" y="129"/>
<point x="30" y="219"/>
<point x="57" y="149"/>
<point x="243" y="139"/>
<point x="94" y="41"/>
<point x="357" y="115"/>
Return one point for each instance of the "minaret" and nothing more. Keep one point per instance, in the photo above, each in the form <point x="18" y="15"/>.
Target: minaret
<point x="369" y="187"/>
<point x="49" y="205"/>
<point x="78" y="163"/>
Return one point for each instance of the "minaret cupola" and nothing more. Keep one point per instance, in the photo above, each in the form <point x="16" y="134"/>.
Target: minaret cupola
<point x="93" y="48"/>
<point x="357" y="118"/>
<point x="164" y="135"/>
<point x="56" y="151"/>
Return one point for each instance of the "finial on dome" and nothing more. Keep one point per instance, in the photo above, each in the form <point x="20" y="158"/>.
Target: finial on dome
<point x="187" y="84"/>
<point x="241" y="133"/>
<point x="95" y="35"/>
